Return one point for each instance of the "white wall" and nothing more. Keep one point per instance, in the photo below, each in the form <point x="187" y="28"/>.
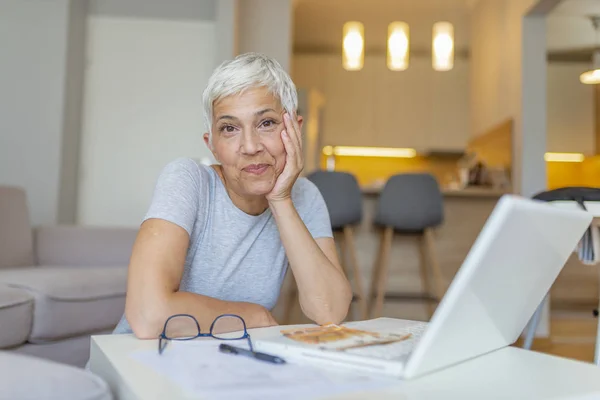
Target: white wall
<point x="419" y="108"/>
<point x="568" y="32"/>
<point x="73" y="106"/>
<point x="506" y="85"/>
<point x="489" y="69"/>
<point x="570" y="112"/>
<point x="508" y="80"/>
<point x="33" y="43"/>
<point x="495" y="81"/>
<point x="142" y="109"/>
<point x="226" y="30"/>
<point x="265" y="26"/>
<point x="193" y="10"/>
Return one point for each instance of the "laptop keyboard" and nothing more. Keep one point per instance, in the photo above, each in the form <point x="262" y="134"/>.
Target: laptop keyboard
<point x="394" y="351"/>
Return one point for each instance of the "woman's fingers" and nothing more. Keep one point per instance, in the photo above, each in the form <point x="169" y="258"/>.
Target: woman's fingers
<point x="290" y="148"/>
<point x="293" y="128"/>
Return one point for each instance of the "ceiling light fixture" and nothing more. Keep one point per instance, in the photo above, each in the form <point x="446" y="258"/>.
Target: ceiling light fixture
<point x="359" y="151"/>
<point x="397" y="46"/>
<point x="564" y="157"/>
<point x="353" y="46"/>
<point x="443" y="46"/>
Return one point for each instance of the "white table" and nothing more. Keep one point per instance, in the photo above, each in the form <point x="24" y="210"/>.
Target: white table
<point x="510" y="373"/>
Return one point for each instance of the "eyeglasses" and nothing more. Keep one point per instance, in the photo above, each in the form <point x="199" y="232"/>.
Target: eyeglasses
<point x="186" y="327"/>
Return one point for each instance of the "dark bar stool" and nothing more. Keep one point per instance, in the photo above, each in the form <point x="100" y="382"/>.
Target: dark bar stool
<point x="343" y="198"/>
<point x="409" y="204"/>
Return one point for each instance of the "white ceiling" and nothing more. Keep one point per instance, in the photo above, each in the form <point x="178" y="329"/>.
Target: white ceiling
<point x="371" y="4"/>
<point x="577" y="8"/>
<point x="569" y="26"/>
<point x="318" y="23"/>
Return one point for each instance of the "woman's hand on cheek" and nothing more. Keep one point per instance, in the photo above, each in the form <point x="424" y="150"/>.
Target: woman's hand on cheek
<point x="294" y="162"/>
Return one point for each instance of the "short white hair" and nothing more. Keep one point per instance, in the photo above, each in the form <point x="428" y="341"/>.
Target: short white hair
<point x="246" y="71"/>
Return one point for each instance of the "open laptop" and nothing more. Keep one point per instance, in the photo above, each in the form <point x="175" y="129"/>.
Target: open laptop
<point x="517" y="256"/>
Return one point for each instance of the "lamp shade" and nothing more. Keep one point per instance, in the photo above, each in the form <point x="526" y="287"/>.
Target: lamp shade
<point x="353" y="46"/>
<point x="443" y="46"/>
<point x="398" y="46"/>
<point x="592" y="77"/>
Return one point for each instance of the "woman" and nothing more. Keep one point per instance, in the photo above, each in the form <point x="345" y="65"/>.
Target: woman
<point x="217" y="239"/>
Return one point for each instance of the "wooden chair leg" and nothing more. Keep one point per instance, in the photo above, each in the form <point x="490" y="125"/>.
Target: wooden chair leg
<point x="425" y="273"/>
<point x="375" y="272"/>
<point x="362" y="301"/>
<point x="438" y="276"/>
<point x="383" y="267"/>
<point x="291" y="299"/>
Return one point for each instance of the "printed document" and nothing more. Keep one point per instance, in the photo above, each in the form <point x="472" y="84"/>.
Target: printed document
<point x="198" y="367"/>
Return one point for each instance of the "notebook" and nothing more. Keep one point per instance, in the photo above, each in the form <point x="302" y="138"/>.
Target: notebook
<point x="380" y="345"/>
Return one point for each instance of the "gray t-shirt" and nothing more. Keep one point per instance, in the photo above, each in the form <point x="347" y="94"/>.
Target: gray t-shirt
<point x="232" y="255"/>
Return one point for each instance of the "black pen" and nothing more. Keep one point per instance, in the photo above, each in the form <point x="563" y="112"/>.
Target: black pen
<point x="225" y="348"/>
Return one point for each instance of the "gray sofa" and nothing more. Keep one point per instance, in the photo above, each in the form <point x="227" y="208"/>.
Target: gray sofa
<point x="51" y="380"/>
<point x="58" y="284"/>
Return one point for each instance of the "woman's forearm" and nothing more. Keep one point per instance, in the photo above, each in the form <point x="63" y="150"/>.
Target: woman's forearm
<point x="148" y="321"/>
<point x="324" y="291"/>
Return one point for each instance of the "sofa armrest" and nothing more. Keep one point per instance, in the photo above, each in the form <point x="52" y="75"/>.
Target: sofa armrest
<point x="81" y="246"/>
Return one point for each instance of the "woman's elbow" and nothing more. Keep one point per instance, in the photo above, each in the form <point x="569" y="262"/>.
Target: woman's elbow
<point x="331" y="316"/>
<point x="145" y="322"/>
<point x="343" y="303"/>
<point x="334" y="312"/>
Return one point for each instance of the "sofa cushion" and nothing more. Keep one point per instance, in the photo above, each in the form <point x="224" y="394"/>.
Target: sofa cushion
<point x="16" y="314"/>
<point x="79" y="246"/>
<point x="52" y="380"/>
<point x="70" y="301"/>
<point x="16" y="237"/>
<point x="72" y="351"/>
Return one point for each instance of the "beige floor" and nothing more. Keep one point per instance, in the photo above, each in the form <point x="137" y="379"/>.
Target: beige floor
<point x="573" y="335"/>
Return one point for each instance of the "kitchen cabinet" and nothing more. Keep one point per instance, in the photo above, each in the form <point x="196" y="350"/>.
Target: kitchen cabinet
<point x="348" y="115"/>
<point x="418" y="107"/>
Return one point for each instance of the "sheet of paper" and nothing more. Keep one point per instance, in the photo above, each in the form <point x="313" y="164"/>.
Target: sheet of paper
<point x="199" y="367"/>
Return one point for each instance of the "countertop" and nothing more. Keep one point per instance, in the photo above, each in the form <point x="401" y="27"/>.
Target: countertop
<point x="466" y="192"/>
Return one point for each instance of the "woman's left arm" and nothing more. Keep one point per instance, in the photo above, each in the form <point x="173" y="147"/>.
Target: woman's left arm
<point x="324" y="290"/>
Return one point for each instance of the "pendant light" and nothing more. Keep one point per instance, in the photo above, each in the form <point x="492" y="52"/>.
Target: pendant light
<point x="443" y="46"/>
<point x="353" y="46"/>
<point x="397" y="46"/>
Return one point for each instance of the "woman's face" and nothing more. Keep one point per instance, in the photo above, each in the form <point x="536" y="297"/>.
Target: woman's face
<point x="246" y="140"/>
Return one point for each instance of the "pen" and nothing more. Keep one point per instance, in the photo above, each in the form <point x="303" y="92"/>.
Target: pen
<point x="225" y="348"/>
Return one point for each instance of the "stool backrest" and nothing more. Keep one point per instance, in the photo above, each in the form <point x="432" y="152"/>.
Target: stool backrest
<point x="342" y="195"/>
<point x="410" y="203"/>
<point x="579" y="194"/>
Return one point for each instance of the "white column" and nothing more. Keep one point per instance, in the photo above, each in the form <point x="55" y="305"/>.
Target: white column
<point x="529" y="137"/>
<point x="529" y="140"/>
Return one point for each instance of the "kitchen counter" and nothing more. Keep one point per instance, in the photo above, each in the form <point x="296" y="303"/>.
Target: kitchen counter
<point x="465" y="213"/>
<point x="466" y="192"/>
